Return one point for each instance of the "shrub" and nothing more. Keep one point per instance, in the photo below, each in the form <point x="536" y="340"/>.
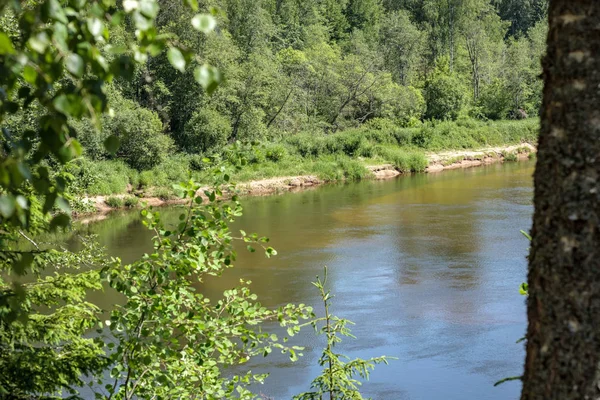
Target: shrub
<point x="494" y="100"/>
<point x="91" y="138"/>
<point x="511" y="156"/>
<point x="445" y="97"/>
<point x="353" y="170"/>
<point x="207" y="129"/>
<point x="366" y="150"/>
<point x="99" y="177"/>
<point x="257" y="155"/>
<point x="423" y="137"/>
<point x="403" y="161"/>
<point x="307" y="145"/>
<point x="173" y="169"/>
<point x="276" y="152"/>
<point x="404" y="136"/>
<point x="164" y="193"/>
<point x="131" y="201"/>
<point x="114" y="201"/>
<point x="197" y="162"/>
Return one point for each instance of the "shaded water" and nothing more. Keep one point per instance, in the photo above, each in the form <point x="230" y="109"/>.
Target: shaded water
<point x="428" y="266"/>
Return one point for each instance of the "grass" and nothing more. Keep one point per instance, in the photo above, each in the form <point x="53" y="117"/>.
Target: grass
<point x="114" y="202"/>
<point x="511" y="156"/>
<point x="331" y="157"/>
<point x="131" y="201"/>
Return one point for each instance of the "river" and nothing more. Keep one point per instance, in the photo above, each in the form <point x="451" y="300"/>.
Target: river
<point x="428" y="266"/>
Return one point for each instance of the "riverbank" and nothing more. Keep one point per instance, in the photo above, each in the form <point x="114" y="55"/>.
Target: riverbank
<point x="304" y="160"/>
<point x="437" y="162"/>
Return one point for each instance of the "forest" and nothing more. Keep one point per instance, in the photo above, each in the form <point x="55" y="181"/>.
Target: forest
<point x="316" y="83"/>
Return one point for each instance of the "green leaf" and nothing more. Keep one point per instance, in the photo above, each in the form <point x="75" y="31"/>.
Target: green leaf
<point x="524" y="289"/>
<point x="39" y="42"/>
<point x="55" y="11"/>
<point x="149" y="8"/>
<point x="75" y="65"/>
<point x="111" y="144"/>
<point x="208" y="77"/>
<point x="29" y="74"/>
<point x="193" y="4"/>
<point x="49" y="202"/>
<point x="176" y="59"/>
<point x="69" y="105"/>
<point x="60" y="221"/>
<point x="130" y="5"/>
<point x="63" y="205"/>
<point x="6" y="46"/>
<point x="204" y="23"/>
<point x="95" y="26"/>
<point x="7" y="206"/>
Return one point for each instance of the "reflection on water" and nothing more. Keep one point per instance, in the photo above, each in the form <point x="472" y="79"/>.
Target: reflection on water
<point x="428" y="266"/>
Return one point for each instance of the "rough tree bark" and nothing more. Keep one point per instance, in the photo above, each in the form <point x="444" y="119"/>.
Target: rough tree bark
<point x="563" y="348"/>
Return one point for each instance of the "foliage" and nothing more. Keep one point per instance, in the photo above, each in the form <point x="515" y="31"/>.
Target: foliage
<point x="206" y="130"/>
<point x="172" y="341"/>
<point x="54" y="59"/>
<point x="511" y="156"/>
<point x="131" y="202"/>
<point x="445" y="96"/>
<point x="338" y="380"/>
<point x="114" y="201"/>
<point x="49" y="352"/>
<point x="142" y="143"/>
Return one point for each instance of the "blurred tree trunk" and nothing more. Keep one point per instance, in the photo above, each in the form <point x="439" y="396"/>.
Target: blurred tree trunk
<point x="563" y="348"/>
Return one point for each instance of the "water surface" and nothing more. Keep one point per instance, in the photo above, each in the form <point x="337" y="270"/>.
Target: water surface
<point x="428" y="266"/>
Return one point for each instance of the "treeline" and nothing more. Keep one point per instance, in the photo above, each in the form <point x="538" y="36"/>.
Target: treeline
<point x="294" y="66"/>
<point x="317" y="66"/>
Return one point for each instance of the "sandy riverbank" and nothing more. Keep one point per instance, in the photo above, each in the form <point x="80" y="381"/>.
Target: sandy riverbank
<point x="437" y="162"/>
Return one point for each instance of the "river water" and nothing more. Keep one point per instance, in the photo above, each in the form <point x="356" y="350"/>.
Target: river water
<point x="427" y="266"/>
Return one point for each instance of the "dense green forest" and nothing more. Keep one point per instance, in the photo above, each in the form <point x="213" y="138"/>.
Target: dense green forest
<point x="296" y="71"/>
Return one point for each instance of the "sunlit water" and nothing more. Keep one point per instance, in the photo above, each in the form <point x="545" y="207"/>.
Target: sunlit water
<point x="428" y="266"/>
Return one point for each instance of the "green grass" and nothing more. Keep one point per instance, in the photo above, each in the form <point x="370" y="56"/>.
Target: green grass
<point x="131" y="201"/>
<point x="332" y="157"/>
<point x="511" y="156"/>
<point x="114" y="202"/>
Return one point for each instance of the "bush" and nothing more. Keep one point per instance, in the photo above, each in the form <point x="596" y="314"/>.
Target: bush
<point x="495" y="100"/>
<point x="307" y="145"/>
<point x="207" y="129"/>
<point x="91" y="138"/>
<point x="173" y="169"/>
<point x="143" y="144"/>
<point x="511" y="157"/>
<point x="353" y="170"/>
<point x="403" y="161"/>
<point x="140" y="131"/>
<point x="445" y="97"/>
<point x="99" y="177"/>
<point x="366" y="150"/>
<point x="164" y="193"/>
<point x="276" y="152"/>
<point x="131" y="201"/>
<point x="114" y="202"/>
<point x="257" y="156"/>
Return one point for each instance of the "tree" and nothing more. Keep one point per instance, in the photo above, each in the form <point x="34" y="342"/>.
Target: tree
<point x="522" y="14"/>
<point x="482" y="31"/>
<point x="444" y="94"/>
<point x="54" y="58"/>
<point x="402" y="43"/>
<point x="563" y="340"/>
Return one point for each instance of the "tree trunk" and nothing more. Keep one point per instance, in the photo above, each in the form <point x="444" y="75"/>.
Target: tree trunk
<point x="563" y="347"/>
